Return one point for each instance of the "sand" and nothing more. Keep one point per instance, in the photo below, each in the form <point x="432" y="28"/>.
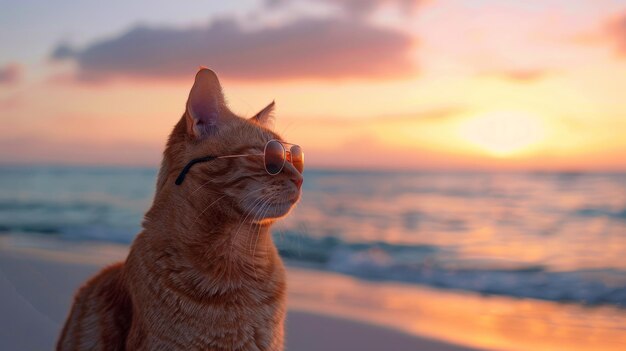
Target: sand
<point x="327" y="311"/>
<point x="38" y="279"/>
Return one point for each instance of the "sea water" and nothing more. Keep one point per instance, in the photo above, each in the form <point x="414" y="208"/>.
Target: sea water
<point x="551" y="236"/>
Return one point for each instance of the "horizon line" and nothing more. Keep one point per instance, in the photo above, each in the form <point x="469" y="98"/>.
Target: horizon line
<point x="347" y="169"/>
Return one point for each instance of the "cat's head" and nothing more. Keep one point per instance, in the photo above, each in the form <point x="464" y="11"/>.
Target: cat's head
<point x="209" y="128"/>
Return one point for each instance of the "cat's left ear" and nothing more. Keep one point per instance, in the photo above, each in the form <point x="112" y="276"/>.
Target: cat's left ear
<point x="265" y="117"/>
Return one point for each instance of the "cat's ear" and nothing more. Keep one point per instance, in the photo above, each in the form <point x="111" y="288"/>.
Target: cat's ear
<point x="205" y="104"/>
<point x="265" y="117"/>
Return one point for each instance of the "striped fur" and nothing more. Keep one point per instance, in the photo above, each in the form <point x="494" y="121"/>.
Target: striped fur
<point x="204" y="273"/>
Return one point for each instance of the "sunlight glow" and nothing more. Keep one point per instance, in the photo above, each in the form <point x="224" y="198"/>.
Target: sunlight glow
<point x="503" y="133"/>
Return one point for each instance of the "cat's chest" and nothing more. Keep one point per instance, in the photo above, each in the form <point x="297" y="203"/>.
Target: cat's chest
<point x="207" y="301"/>
<point x="208" y="304"/>
<point x="239" y="321"/>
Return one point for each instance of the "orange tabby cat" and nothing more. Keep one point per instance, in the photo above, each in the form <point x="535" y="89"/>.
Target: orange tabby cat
<point x="204" y="273"/>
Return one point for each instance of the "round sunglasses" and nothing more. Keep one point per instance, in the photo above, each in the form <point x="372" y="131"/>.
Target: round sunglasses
<point x="275" y="154"/>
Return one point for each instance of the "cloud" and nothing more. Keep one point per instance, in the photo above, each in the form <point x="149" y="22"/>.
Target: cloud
<point x="62" y="52"/>
<point x="525" y="75"/>
<point x="333" y="48"/>
<point x="617" y="31"/>
<point x="355" y="7"/>
<point x="10" y="73"/>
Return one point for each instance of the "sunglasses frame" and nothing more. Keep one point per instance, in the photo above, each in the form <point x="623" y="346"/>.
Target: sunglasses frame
<point x="286" y="157"/>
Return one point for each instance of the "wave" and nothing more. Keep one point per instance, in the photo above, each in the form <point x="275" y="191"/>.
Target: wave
<point x="619" y="214"/>
<point x="437" y="267"/>
<point x="417" y="264"/>
<point x="52" y="206"/>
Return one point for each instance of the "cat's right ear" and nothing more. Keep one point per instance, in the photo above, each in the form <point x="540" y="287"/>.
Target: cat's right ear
<point x="205" y="104"/>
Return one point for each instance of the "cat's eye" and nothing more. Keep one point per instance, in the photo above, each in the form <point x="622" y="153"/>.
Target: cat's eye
<point x="275" y="154"/>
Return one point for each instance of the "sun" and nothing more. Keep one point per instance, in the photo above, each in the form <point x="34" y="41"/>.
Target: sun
<point x="503" y="133"/>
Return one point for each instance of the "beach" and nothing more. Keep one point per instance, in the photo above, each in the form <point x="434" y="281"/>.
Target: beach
<point x="39" y="277"/>
<point x="327" y="311"/>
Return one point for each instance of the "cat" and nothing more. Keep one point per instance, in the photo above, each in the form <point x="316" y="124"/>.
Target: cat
<point x="203" y="274"/>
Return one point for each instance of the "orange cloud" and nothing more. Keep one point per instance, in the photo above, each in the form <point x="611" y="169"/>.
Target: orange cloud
<point x="617" y="31"/>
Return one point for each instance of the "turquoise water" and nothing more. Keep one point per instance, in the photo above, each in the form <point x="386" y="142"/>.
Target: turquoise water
<point x="552" y="236"/>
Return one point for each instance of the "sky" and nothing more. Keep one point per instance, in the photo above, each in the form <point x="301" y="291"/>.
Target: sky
<point x="375" y="84"/>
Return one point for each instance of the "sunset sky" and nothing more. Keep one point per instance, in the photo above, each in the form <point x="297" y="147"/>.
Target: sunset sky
<point x="402" y="84"/>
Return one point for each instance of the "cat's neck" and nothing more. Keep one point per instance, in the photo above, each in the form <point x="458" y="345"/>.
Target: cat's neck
<point x="206" y="232"/>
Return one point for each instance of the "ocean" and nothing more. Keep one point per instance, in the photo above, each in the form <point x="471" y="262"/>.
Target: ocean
<point x="549" y="236"/>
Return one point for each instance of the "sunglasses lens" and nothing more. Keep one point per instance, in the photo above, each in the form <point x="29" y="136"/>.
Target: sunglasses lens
<point x="297" y="158"/>
<point x="274" y="157"/>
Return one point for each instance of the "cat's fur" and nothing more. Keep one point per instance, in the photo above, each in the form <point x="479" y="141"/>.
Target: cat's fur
<point x="204" y="273"/>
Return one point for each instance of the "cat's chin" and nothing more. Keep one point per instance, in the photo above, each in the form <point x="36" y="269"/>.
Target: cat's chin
<point x="277" y="210"/>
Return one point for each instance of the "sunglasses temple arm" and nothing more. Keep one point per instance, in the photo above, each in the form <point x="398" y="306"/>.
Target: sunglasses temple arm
<point x="183" y="173"/>
<point x="242" y="155"/>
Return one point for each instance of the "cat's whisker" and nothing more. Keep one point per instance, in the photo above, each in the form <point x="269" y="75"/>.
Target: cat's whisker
<point x="267" y="208"/>
<point x="255" y="203"/>
<point x="258" y="217"/>
<point x="248" y="209"/>
<point x="211" y="205"/>
<point x="287" y="127"/>
<point x="205" y="209"/>
<point x="229" y="179"/>
<point x="260" y="214"/>
<point x="201" y="186"/>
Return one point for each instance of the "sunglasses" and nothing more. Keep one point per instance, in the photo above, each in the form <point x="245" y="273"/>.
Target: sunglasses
<point x="275" y="154"/>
